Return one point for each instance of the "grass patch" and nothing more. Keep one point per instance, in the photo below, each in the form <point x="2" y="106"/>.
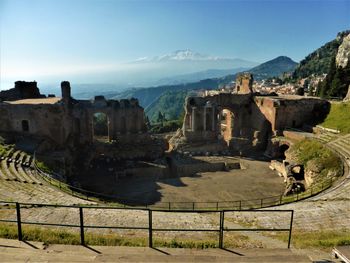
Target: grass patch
<point x="5" y="149"/>
<point x="61" y="236"/>
<point x="315" y="239"/>
<point x="338" y="117"/>
<point x="43" y="167"/>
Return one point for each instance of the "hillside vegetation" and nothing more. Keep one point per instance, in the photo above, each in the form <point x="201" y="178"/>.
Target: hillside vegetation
<point x="273" y="68"/>
<point x="147" y="96"/>
<point x="323" y="61"/>
<point x="338" y="117"/>
<point x="319" y="61"/>
<point x="170" y="104"/>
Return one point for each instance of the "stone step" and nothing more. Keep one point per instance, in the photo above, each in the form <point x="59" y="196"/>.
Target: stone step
<point x="13" y="170"/>
<point x="32" y="175"/>
<point x="340" y="148"/>
<point x="6" y="171"/>
<point x="140" y="254"/>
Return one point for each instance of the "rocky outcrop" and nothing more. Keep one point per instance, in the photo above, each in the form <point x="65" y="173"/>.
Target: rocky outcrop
<point x="343" y="55"/>
<point x="315" y="172"/>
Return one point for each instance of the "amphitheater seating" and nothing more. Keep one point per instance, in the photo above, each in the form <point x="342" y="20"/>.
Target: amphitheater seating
<point x="15" y="166"/>
<point x="19" y="181"/>
<point x="342" y="145"/>
<point x="327" y="136"/>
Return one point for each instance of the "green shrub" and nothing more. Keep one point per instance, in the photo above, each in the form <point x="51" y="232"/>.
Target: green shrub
<point x="43" y="167"/>
<point x="307" y="150"/>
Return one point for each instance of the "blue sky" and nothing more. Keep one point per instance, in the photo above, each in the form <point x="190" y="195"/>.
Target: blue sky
<point x="43" y="37"/>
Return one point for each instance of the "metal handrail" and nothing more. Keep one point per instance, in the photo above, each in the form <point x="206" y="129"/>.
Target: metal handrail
<point x="220" y="230"/>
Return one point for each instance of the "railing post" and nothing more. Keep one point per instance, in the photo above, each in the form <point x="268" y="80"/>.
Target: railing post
<point x="290" y="228"/>
<point x="221" y="230"/>
<point x="280" y="199"/>
<point x="192" y="206"/>
<point x="19" y="223"/>
<point x="81" y="216"/>
<point x="150" y="241"/>
<point x="217" y="206"/>
<point x="240" y="204"/>
<point x="261" y="204"/>
<point x="169" y="205"/>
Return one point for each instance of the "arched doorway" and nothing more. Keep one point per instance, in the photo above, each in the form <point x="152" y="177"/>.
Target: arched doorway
<point x="282" y="150"/>
<point x="100" y="126"/>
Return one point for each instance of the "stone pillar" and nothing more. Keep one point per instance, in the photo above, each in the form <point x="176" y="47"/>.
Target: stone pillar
<point x="213" y="119"/>
<point x="204" y="118"/>
<point x="193" y="124"/>
<point x="66" y="91"/>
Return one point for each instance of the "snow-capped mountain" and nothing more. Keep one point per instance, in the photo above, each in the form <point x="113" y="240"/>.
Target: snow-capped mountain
<point x="188" y="56"/>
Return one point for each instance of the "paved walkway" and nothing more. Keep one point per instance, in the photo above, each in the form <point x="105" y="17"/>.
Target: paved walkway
<point x="16" y="251"/>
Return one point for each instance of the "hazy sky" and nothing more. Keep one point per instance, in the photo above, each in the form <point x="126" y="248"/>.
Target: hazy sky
<point x="43" y="37"/>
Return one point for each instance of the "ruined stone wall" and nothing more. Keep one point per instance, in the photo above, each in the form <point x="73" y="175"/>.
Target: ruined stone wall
<point x="250" y="120"/>
<point x="21" y="90"/>
<point x="295" y="113"/>
<point x="44" y="120"/>
<point x="68" y="121"/>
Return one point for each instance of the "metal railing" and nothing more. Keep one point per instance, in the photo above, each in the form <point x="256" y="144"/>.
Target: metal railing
<point x="220" y="229"/>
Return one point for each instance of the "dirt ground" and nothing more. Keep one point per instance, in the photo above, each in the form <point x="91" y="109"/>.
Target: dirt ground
<point x="254" y="182"/>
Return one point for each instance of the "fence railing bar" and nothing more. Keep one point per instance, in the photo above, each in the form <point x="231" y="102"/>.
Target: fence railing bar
<point x="150" y="233"/>
<point x="184" y="230"/>
<point x="150" y="228"/>
<point x="8" y="221"/>
<point x="48" y="224"/>
<point x="221" y="229"/>
<point x="81" y="219"/>
<point x="256" y="229"/>
<point x="290" y="228"/>
<point x="118" y="227"/>
<point x="19" y="223"/>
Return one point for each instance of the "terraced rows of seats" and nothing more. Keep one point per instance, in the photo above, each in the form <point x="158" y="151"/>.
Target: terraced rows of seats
<point x="327" y="137"/>
<point x="329" y="210"/>
<point x="19" y="182"/>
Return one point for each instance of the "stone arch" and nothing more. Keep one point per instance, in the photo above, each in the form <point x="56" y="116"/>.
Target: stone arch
<point x="100" y="126"/>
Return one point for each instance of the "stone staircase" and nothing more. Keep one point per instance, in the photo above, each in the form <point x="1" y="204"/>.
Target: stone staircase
<point x="327" y="137"/>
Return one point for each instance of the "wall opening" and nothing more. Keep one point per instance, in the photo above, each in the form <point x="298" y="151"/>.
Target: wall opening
<point x="227" y="124"/>
<point x="208" y="122"/>
<point x="100" y="127"/>
<point x="25" y="125"/>
<point x="282" y="150"/>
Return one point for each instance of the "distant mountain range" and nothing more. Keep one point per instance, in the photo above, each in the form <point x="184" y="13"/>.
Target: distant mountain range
<point x="187" y="55"/>
<point x="197" y="76"/>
